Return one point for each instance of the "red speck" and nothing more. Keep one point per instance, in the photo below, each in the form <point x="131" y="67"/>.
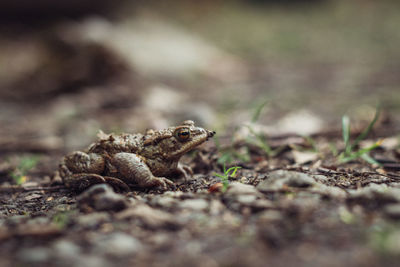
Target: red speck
<point x="215" y="188"/>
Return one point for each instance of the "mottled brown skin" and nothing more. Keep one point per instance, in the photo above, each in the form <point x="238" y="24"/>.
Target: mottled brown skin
<point x="138" y="159"/>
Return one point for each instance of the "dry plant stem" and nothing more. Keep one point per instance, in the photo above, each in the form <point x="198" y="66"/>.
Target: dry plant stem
<point x="16" y="188"/>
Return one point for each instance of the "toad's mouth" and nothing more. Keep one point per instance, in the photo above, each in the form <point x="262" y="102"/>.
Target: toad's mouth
<point x="192" y="143"/>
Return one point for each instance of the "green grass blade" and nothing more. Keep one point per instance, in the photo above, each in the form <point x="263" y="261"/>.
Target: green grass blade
<point x="219" y="175"/>
<point x="262" y="143"/>
<point x="312" y="142"/>
<point x="277" y="151"/>
<point x="346" y="134"/>
<point x="360" y="152"/>
<point x="370" y="160"/>
<point x="264" y="146"/>
<point x="333" y="149"/>
<point x="367" y="130"/>
<point x="233" y="169"/>
<point x="258" y="111"/>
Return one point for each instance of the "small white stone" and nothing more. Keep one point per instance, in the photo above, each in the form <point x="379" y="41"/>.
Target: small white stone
<point x="194" y="204"/>
<point x="117" y="244"/>
<point x="236" y="188"/>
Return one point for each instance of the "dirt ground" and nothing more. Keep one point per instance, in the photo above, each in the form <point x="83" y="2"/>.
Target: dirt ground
<point x="273" y="81"/>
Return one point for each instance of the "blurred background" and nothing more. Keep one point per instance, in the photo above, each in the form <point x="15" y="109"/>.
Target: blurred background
<point x="68" y="69"/>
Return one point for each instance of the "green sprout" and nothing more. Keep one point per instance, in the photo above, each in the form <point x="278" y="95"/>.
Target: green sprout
<point x="25" y="165"/>
<point x="350" y="152"/>
<point x="310" y="145"/>
<point x="257" y="112"/>
<point x="259" y="139"/>
<point x="228" y="173"/>
<point x="62" y="218"/>
<point x="333" y="149"/>
<point x="230" y="153"/>
<point x="311" y="142"/>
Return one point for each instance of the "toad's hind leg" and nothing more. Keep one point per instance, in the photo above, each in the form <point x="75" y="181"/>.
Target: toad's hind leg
<point x="81" y="181"/>
<point x="79" y="170"/>
<point x="117" y="184"/>
<point x="81" y="162"/>
<point x="134" y="170"/>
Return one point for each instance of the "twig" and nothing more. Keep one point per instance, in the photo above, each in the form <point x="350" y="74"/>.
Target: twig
<point x="17" y="188"/>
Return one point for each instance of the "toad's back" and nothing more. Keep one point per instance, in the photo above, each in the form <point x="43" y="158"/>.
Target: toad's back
<point x="113" y="144"/>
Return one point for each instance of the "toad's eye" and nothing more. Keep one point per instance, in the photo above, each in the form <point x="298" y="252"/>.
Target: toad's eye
<point x="182" y="134"/>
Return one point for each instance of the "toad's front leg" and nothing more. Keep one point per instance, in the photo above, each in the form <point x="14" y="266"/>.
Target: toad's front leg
<point x="132" y="169"/>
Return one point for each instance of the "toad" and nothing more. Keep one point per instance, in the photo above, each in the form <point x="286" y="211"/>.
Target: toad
<point x="144" y="160"/>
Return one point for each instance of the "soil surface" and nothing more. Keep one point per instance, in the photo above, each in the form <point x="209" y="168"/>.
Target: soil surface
<point x="274" y="187"/>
